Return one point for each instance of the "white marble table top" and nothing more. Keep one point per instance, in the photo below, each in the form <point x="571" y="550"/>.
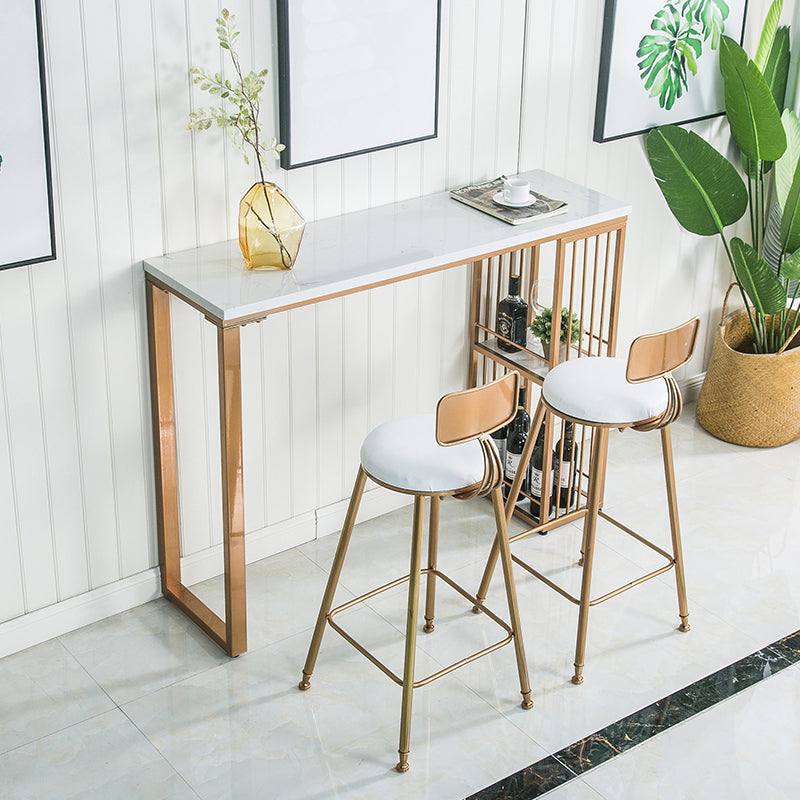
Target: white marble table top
<point x="361" y="249"/>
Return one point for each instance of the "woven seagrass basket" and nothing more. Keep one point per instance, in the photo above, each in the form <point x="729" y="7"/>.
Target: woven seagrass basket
<point x="749" y="399"/>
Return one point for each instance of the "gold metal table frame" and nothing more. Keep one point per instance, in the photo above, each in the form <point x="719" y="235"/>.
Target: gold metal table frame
<point x="214" y="281"/>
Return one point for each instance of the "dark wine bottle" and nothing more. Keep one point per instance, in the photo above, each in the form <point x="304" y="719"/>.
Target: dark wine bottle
<point x="500" y="437"/>
<point x="566" y="469"/>
<point x="536" y="488"/>
<point x="517" y="434"/>
<point x="512" y="317"/>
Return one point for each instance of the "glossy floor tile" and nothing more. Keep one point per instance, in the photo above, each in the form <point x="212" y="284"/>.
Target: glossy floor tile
<point x="101" y="758"/>
<point x="44" y="690"/>
<point x="740" y="747"/>
<point x="142" y="705"/>
<point x="586" y="757"/>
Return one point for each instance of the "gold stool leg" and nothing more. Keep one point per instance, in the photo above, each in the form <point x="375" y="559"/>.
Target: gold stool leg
<point x="511" y="596"/>
<point x="488" y="571"/>
<point x="333" y="578"/>
<point x="411" y="634"/>
<point x="433" y="546"/>
<point x="677" y="550"/>
<point x="491" y="563"/>
<point x="598" y="461"/>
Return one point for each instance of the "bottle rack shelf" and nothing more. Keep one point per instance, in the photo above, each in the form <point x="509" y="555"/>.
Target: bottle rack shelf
<point x="580" y="271"/>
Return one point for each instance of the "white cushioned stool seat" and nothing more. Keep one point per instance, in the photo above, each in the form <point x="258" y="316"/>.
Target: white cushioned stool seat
<point x="404" y="453"/>
<point x="595" y="390"/>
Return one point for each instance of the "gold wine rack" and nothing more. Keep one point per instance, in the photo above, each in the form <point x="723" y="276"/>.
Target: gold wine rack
<point x="580" y="270"/>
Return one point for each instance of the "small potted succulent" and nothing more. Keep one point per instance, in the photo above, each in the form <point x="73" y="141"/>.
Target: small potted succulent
<point x="542" y="328"/>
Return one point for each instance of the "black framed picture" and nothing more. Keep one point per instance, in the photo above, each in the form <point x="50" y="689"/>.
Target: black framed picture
<point x="659" y="63"/>
<point x="356" y="76"/>
<point x="27" y="232"/>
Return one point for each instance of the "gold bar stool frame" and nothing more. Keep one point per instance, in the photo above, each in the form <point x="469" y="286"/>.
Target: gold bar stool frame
<point x="603" y="393"/>
<point x="449" y="454"/>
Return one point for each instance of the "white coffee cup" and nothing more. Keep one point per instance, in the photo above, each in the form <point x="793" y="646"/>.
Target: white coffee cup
<point x="516" y="190"/>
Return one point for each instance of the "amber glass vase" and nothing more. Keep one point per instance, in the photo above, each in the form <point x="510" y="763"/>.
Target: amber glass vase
<point x="270" y="228"/>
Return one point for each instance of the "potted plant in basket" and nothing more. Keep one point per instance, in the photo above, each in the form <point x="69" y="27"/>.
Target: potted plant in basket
<point x="746" y="397"/>
<point x="270" y="227"/>
<point x="542" y="328"/>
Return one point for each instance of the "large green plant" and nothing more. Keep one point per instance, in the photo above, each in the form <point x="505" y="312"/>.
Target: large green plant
<point x="706" y="193"/>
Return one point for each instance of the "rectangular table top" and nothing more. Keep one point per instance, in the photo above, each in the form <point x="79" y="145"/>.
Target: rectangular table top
<point x="356" y="251"/>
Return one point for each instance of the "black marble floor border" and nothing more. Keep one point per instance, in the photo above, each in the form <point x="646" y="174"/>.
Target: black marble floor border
<point x="597" y="748"/>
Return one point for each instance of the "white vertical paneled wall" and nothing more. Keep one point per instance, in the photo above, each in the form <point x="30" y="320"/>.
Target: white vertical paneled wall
<point x="77" y="531"/>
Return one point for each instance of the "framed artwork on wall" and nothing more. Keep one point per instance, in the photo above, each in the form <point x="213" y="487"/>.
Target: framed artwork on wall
<point x="27" y="233"/>
<point x="659" y="63"/>
<point x="356" y="76"/>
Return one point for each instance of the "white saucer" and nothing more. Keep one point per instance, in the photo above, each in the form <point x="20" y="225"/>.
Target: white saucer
<point x="498" y="198"/>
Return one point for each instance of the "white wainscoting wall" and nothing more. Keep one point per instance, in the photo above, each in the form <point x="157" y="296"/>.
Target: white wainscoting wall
<point x="77" y="521"/>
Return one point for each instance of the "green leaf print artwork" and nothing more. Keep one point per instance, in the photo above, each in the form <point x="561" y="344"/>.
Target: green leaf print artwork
<point x="668" y="55"/>
<point x="711" y="14"/>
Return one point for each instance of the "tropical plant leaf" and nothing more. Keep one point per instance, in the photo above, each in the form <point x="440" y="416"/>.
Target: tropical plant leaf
<point x="755" y="276"/>
<point x="768" y="34"/>
<point x="752" y="114"/>
<point x="702" y="188"/>
<point x="667" y="55"/>
<point x="790" y="269"/>
<point x="790" y="221"/>
<point x="750" y="168"/>
<point x="786" y="165"/>
<point x="776" y="70"/>
<point x="711" y="14"/>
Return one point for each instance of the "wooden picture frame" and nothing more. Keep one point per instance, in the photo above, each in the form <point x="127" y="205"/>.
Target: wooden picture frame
<point x="27" y="230"/>
<point x="356" y="77"/>
<point x="638" y="87"/>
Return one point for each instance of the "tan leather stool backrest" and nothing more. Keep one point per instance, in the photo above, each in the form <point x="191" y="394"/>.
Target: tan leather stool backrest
<point x="462" y="416"/>
<point x="658" y="354"/>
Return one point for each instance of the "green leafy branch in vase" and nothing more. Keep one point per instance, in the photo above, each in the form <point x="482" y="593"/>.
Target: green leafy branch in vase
<point x="671" y="53"/>
<point x="241" y="118"/>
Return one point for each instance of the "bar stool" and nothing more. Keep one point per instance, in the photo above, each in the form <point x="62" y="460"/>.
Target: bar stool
<point x="449" y="454"/>
<point x="604" y="393"/>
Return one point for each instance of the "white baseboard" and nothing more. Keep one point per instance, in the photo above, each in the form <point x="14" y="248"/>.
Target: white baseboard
<point x="690" y="388"/>
<point x="46" y="623"/>
<point x="374" y="503"/>
<point x="68" y="615"/>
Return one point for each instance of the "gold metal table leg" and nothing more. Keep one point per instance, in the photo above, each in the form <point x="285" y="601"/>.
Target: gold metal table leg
<point x="230" y="410"/>
<point x="165" y="449"/>
<point x="231" y="633"/>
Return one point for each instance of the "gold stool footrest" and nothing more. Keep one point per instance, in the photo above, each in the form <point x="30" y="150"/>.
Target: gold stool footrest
<point x="614" y="592"/>
<point x="424" y="681"/>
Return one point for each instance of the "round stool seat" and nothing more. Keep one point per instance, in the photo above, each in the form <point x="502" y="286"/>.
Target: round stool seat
<point x="595" y="390"/>
<point x="404" y="454"/>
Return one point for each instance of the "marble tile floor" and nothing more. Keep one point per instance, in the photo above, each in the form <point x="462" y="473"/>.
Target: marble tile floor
<point x="142" y="705"/>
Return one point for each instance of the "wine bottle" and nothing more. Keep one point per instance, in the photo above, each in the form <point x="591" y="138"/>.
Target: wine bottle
<point x="512" y="317"/>
<point x="566" y="469"/>
<point x="500" y="437"/>
<point x="536" y="488"/>
<point x="517" y="434"/>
